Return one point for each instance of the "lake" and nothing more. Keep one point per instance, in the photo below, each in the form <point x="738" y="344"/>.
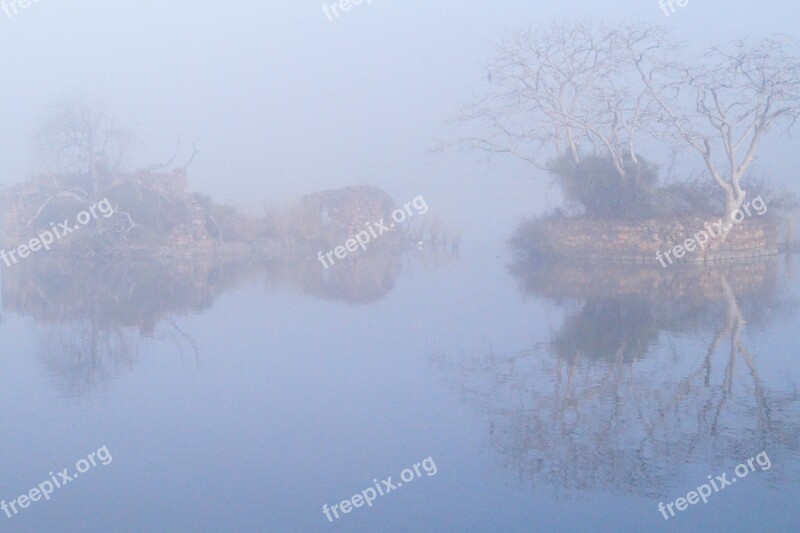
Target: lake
<point x="239" y="395"/>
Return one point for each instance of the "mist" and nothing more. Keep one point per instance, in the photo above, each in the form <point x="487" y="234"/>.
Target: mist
<point x="356" y="265"/>
<point x="288" y="102"/>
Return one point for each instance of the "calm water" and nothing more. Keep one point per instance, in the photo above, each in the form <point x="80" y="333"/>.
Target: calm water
<point x="244" y="396"/>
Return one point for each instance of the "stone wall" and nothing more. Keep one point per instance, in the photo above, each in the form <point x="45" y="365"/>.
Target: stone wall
<point x="341" y="213"/>
<point x="583" y="238"/>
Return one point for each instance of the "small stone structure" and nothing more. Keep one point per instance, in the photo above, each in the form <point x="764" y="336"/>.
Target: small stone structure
<point x="341" y="213"/>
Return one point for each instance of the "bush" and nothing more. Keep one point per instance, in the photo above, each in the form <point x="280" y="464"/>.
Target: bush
<point x="151" y="209"/>
<point x="595" y="185"/>
<point x="694" y="197"/>
<point x="699" y="196"/>
<point x="225" y="222"/>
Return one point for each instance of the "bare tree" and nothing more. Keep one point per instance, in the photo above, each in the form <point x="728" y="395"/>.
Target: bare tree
<point x="574" y="88"/>
<point x="181" y="169"/>
<point x="558" y="89"/>
<point x="723" y="103"/>
<point x="80" y="136"/>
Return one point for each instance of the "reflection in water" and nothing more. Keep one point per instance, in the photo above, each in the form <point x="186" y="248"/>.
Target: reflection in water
<point x="79" y="356"/>
<point x="617" y="399"/>
<point x="616" y="326"/>
<point x="90" y="315"/>
<point x="89" y="312"/>
<point x="360" y="279"/>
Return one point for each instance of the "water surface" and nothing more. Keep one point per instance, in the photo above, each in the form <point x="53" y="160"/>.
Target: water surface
<point x="242" y="396"/>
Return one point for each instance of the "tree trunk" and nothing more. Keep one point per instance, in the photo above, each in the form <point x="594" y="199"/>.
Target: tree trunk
<point x="733" y="201"/>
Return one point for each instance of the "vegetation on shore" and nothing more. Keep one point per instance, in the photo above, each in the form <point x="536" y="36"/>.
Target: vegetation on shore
<point x="83" y="153"/>
<point x="585" y="101"/>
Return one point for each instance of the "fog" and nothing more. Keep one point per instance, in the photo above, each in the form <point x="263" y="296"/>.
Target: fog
<point x="326" y="287"/>
<point x="288" y="102"/>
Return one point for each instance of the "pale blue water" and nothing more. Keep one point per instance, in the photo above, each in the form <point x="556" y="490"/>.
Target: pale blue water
<point x="245" y="401"/>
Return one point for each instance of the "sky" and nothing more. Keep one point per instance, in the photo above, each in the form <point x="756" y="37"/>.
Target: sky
<point x="288" y="102"/>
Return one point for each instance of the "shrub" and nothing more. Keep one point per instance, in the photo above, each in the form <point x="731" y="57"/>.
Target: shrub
<point x="595" y="185"/>
<point x="693" y="197"/>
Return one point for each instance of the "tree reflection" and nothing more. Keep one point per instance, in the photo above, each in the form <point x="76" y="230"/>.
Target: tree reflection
<point x="627" y="390"/>
<point x="90" y="315"/>
<point x="79" y="357"/>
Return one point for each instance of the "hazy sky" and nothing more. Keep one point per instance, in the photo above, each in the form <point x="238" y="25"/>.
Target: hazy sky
<point x="288" y="102"/>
